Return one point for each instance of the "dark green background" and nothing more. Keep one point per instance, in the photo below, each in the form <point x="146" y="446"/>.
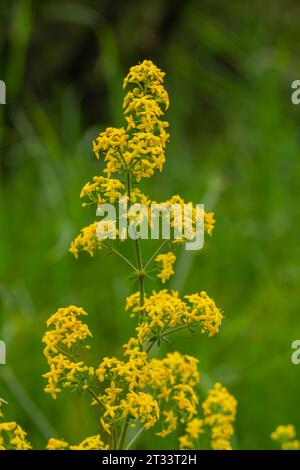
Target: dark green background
<point x="234" y="146"/>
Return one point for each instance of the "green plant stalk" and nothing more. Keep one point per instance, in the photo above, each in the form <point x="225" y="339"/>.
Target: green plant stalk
<point x="140" y="271"/>
<point x="114" y="439"/>
<point x="91" y="392"/>
<point x="114" y="250"/>
<point x="167" y="333"/>
<point x="122" y="435"/>
<point x="155" y="253"/>
<point x="135" y="437"/>
<point x="141" y="280"/>
<point x="138" y="251"/>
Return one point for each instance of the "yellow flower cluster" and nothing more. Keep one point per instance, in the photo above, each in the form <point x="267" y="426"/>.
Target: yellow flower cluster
<point x="16" y="438"/>
<point x="285" y="435"/>
<point x="203" y="309"/>
<point x="12" y="436"/>
<point x="193" y="430"/>
<point x="191" y="220"/>
<point x="167" y="260"/>
<point x="57" y="444"/>
<point x="173" y="381"/>
<point x="209" y="222"/>
<point x="170" y="382"/>
<point x="139" y="149"/>
<point x="219" y="411"/>
<point x="66" y="334"/>
<point x="142" y="406"/>
<point x="151" y="78"/>
<point x="170" y="423"/>
<point x="196" y="220"/>
<point x="102" y="190"/>
<point x="90" y="443"/>
<point x="127" y="399"/>
<point x="165" y="309"/>
<point x="87" y="240"/>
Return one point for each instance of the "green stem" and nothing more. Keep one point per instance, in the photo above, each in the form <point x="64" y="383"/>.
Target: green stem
<point x="151" y="346"/>
<point x="114" y="439"/>
<point x="160" y="335"/>
<point x="140" y="273"/>
<point x="156" y="253"/>
<point x="91" y="392"/>
<point x="167" y="333"/>
<point x="140" y="270"/>
<point x="114" y="250"/>
<point x="135" y="437"/>
<point x="128" y="182"/>
<point x="174" y="330"/>
<point x="123" y="434"/>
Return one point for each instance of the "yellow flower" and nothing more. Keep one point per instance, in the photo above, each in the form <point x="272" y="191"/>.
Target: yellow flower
<point x="65" y="331"/>
<point x="110" y="144"/>
<point x="209" y="222"/>
<point x="186" y="219"/>
<point x="13" y="437"/>
<point x="185" y="442"/>
<point x="166" y="309"/>
<point x="87" y="240"/>
<point x="219" y="410"/>
<point x="142" y="406"/>
<point x="167" y="260"/>
<point x="102" y="190"/>
<point x="171" y="421"/>
<point x="194" y="428"/>
<point x="285" y="435"/>
<point x="291" y="445"/>
<point x="130" y="121"/>
<point x="186" y="399"/>
<point x="57" y="444"/>
<point x="105" y="426"/>
<point x="205" y="310"/>
<point x="91" y="443"/>
<point x="140" y="148"/>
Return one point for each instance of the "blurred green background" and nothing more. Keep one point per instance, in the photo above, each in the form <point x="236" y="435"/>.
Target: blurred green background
<point x="234" y="146"/>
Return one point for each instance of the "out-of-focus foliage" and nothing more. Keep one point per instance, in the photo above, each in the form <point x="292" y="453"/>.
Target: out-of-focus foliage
<point x="235" y="146"/>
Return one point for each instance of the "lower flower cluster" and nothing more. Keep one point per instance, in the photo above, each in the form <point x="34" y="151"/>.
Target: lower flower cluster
<point x="138" y="390"/>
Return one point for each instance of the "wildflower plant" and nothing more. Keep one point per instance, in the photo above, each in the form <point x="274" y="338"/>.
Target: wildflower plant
<point x="137" y="391"/>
